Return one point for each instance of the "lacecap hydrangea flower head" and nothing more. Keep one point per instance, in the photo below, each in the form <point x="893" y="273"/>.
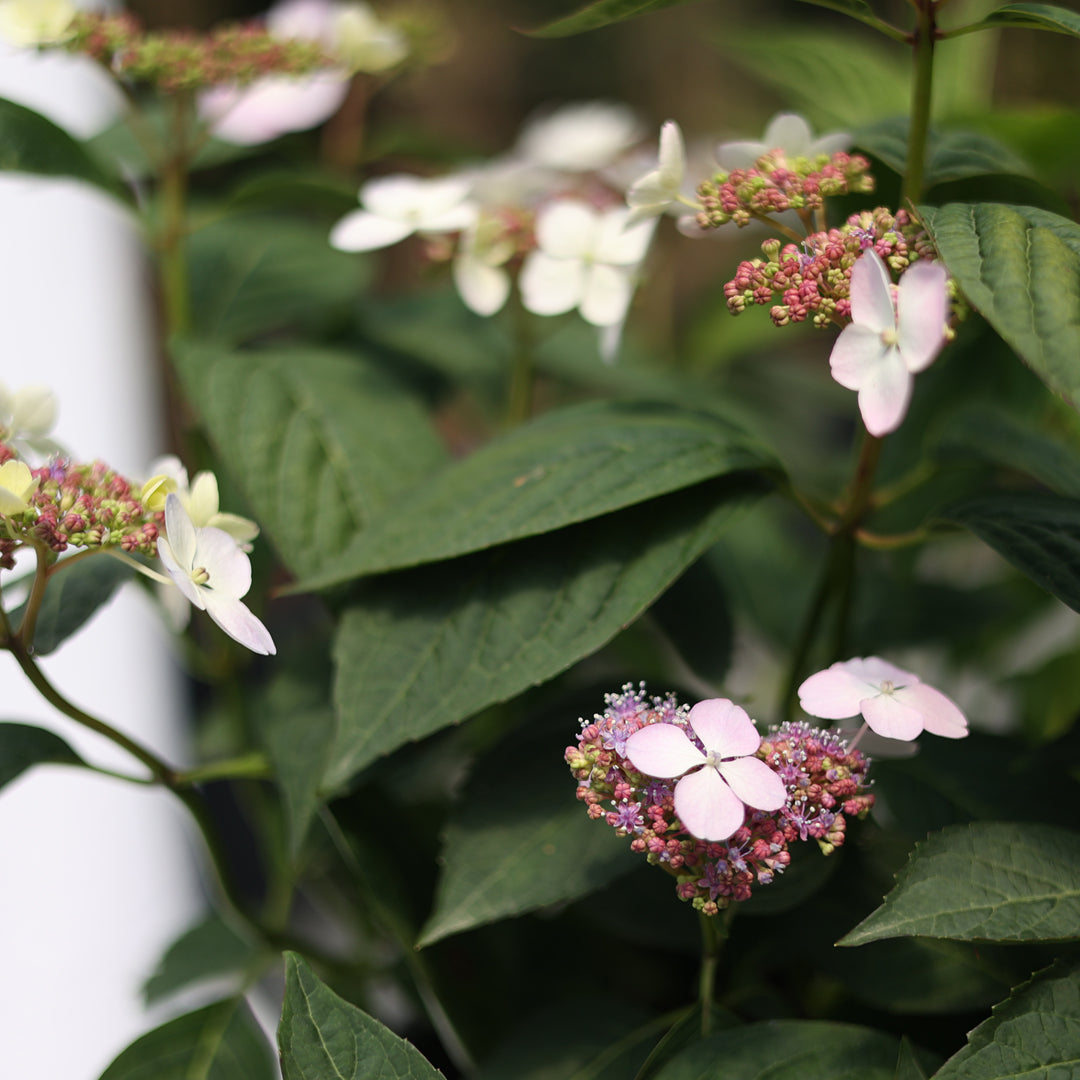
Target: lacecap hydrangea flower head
<point x="707" y="798"/>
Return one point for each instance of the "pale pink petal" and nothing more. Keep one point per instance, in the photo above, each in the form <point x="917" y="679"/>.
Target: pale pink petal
<point x="706" y="806"/>
<point x="874" y="671"/>
<point x="724" y="728"/>
<point x="606" y="295"/>
<point x="566" y="229"/>
<point x="940" y="714"/>
<point x="871" y="295"/>
<point x="662" y="750"/>
<point x="240" y="624"/>
<point x="550" y="286"/>
<point x="272" y="106"/>
<point x="361" y="231"/>
<point x="855" y="354"/>
<point x="888" y="716"/>
<point x="754" y="783"/>
<point x="229" y="569"/>
<point x="885" y="394"/>
<point x="922" y="308"/>
<point x="833" y="694"/>
<point x="180" y="531"/>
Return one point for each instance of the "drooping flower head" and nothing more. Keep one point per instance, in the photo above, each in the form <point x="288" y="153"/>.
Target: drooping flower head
<point x="209" y="568"/>
<point x="888" y="342"/>
<point x="893" y="702"/>
<point x="717" y="782"/>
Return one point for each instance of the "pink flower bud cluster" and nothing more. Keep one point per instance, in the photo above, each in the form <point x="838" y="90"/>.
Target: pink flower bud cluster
<point x="813" y="280"/>
<point x="776" y="185"/>
<point x="84" y="506"/>
<point x="825" y="781"/>
<point x="183" y="60"/>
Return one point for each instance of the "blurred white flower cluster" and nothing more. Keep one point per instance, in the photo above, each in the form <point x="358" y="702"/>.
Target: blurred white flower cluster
<point x="549" y="214"/>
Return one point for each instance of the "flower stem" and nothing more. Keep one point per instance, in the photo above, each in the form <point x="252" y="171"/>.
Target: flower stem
<point x="922" y="40"/>
<point x="714" y="932"/>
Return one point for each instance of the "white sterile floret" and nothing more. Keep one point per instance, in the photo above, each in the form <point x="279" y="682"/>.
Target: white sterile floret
<point x="585" y="259"/>
<point x="478" y="271"/>
<point x="660" y="189"/>
<point x="579" y="138"/>
<point x="362" y="42"/>
<point x="786" y="131"/>
<point x="208" y="567"/>
<point x="200" y="498"/>
<point x="397" y="206"/>
<point x="28" y="415"/>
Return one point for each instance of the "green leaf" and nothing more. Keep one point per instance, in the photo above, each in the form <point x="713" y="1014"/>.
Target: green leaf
<point x="1034" y="1034"/>
<point x="73" y="596"/>
<point x="601" y="13"/>
<point x="23" y="746"/>
<point x="1006" y="440"/>
<point x="297" y="726"/>
<point x="428" y="648"/>
<point x="1020" y="268"/>
<point x="29" y="143"/>
<point x="907" y="1064"/>
<point x="787" y="1050"/>
<point x="1037" y="532"/>
<point x="861" y="10"/>
<point x="319" y="441"/>
<point x="987" y="881"/>
<point x="212" y="948"/>
<point x="220" y="1042"/>
<point x="323" y="1036"/>
<point x="1028" y="17"/>
<point x="950" y="155"/>
<point x="684" y="1032"/>
<point x="254" y="274"/>
<point x="571" y="465"/>
<point x="520" y="838"/>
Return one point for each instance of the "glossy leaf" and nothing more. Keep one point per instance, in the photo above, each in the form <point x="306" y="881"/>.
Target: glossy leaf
<point x="1020" y="268"/>
<point x="1050" y="17"/>
<point x="321" y="1035"/>
<point x="950" y="155"/>
<point x="319" y="441"/>
<point x="601" y="13"/>
<point x="210" y="949"/>
<point x="1034" y="1034"/>
<point x="23" y="746"/>
<point x="987" y="881"/>
<point x="520" y="839"/>
<point x="220" y="1042"/>
<point x="254" y="274"/>
<point x="30" y="143"/>
<point x="569" y="466"/>
<point x="788" y="1050"/>
<point x="1038" y="533"/>
<point x="425" y="649"/>
<point x="74" y="596"/>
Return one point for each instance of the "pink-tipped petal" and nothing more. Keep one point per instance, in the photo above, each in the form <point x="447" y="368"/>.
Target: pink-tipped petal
<point x="922" y="308"/>
<point x="889" y="716"/>
<point x="662" y="750"/>
<point x="708" y="808"/>
<point x="754" y="783"/>
<point x="240" y="624"/>
<point x="724" y="728"/>
<point x="885" y="394"/>
<point x="871" y="296"/>
<point x="940" y="714"/>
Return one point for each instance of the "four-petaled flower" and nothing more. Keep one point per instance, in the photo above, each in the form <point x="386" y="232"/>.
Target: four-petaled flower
<point x="213" y="573"/>
<point x="585" y="259"/>
<point x="886" y="344"/>
<point x="658" y="190"/>
<point x="893" y="702"/>
<point x="786" y="131"/>
<point x="719" y="782"/>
